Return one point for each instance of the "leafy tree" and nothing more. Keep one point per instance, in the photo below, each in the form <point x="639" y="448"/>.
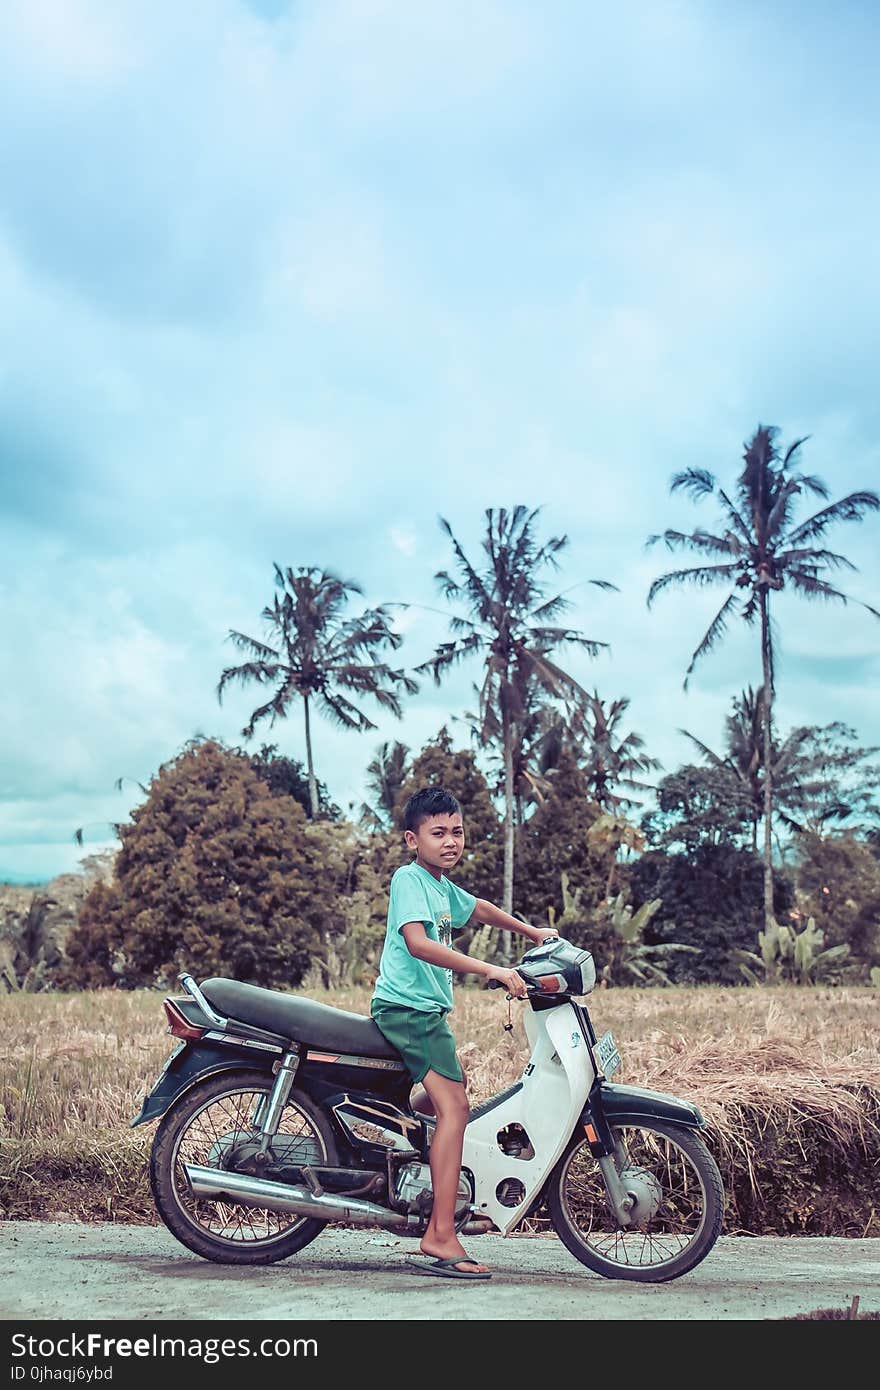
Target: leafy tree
<point x="762" y="552"/>
<point x="556" y="839"/>
<point x="317" y="655"/>
<point x="838" y="879"/>
<point x="819" y="774"/>
<point x="351" y="924"/>
<point x="216" y="875"/>
<point x="835" y="783"/>
<point x="711" y="899"/>
<point x="511" y="627"/>
<point x="699" y="806"/>
<point x="287" y="777"/>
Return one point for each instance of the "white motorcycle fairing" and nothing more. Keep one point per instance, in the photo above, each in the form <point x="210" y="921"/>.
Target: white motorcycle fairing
<point x="547" y="1103"/>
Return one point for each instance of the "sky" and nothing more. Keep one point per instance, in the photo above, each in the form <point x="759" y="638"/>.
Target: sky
<point x="288" y="282"/>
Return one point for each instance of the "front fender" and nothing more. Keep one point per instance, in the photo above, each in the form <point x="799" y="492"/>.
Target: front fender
<point x="610" y="1105"/>
<point x="188" y="1065"/>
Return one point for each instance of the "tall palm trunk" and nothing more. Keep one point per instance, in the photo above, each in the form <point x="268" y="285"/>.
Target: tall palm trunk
<point x="313" y="781"/>
<point x="767" y="662"/>
<point x="507" y="901"/>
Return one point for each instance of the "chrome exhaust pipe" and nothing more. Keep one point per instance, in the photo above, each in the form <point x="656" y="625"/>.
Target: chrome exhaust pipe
<point x="240" y="1189"/>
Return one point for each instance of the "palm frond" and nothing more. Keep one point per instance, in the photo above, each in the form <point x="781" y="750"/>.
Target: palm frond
<point x="807" y="583"/>
<point x="792" y="450"/>
<point x="449" y="654"/>
<point x="552" y="677"/>
<point x="696" y="481"/>
<point x="814" y="558"/>
<point x="272" y="710"/>
<point x="701" y="575"/>
<point x="260" y="671"/>
<point x="716" y="629"/>
<point x="699" y="540"/>
<point x="551" y="607"/>
<point x="849" y="508"/>
<point x="707" y="752"/>
<point x="736" y="518"/>
<point x="475" y="588"/>
<point x="342" y="712"/>
<point x="250" y="644"/>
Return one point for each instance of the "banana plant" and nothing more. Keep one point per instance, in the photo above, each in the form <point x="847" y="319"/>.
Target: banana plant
<point x="788" y="954"/>
<point x="631" y="961"/>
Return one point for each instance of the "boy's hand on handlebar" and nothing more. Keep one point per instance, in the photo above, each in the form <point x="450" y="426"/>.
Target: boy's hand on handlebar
<point x="510" y="980"/>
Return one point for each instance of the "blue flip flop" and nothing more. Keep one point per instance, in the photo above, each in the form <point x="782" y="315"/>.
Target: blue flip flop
<point x="448" y="1269"/>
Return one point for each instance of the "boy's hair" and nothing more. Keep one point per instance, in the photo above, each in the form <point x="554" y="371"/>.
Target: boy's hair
<point x="429" y="801"/>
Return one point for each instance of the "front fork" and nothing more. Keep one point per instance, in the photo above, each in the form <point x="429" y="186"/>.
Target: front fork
<point x="609" y="1151"/>
<point x="622" y="1202"/>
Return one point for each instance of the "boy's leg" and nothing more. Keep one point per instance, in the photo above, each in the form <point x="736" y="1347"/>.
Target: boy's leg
<point x="421" y="1101"/>
<point x="449" y="1100"/>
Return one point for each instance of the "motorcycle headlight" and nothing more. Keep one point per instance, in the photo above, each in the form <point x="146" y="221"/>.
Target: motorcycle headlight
<point x="588" y="974"/>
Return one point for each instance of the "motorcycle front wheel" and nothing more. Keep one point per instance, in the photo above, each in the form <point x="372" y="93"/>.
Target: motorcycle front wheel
<point x="201" y="1129"/>
<point x="679" y="1204"/>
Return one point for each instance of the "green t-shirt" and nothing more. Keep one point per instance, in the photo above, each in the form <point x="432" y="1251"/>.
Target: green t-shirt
<point x="417" y="896"/>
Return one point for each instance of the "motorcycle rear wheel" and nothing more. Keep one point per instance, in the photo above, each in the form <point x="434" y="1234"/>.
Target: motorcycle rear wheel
<point x="206" y="1120"/>
<point x="681" y="1192"/>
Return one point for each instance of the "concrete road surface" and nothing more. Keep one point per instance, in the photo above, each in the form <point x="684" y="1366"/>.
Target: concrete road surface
<point x="72" y="1271"/>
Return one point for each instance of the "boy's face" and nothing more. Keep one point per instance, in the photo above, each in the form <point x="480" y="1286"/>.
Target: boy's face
<point x="438" y="841"/>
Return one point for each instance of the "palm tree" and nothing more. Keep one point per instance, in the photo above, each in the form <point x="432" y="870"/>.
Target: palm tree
<point x="316" y="654"/>
<point x="512" y="628"/>
<point x="745" y="755"/>
<point x="386" y="775"/>
<point x="762" y="552"/>
<point x="610" y="760"/>
<point x="538" y="737"/>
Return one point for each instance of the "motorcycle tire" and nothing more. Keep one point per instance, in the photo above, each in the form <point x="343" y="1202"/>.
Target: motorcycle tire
<point x="582" y="1217"/>
<point x="189" y="1220"/>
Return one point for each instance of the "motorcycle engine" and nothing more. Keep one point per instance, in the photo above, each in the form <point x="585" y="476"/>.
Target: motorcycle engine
<point x="413" y="1188"/>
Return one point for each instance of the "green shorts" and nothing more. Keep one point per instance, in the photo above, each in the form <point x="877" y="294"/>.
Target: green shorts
<point x="424" y="1041"/>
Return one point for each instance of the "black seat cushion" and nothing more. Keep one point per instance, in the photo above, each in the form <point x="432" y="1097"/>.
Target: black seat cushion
<point x="303" y="1020"/>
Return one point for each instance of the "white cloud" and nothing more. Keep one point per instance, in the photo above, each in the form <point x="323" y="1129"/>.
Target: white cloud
<point x="403" y="540"/>
<point x="71" y="38"/>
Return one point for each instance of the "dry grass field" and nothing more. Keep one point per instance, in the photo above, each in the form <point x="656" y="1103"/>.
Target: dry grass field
<point x="788" y="1078"/>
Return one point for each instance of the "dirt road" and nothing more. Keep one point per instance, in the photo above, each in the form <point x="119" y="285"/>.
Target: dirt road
<point x="107" y="1271"/>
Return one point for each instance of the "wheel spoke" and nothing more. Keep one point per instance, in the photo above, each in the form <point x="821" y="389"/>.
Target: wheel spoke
<point x="206" y="1141"/>
<point x="670" y="1201"/>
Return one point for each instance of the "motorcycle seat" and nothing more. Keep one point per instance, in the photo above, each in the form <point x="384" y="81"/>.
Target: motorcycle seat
<point x="303" y="1020"/>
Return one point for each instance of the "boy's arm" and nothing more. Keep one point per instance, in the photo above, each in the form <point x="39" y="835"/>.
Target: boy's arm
<point x="489" y="915"/>
<point x="420" y="945"/>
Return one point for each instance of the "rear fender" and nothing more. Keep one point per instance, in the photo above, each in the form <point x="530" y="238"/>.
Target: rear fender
<point x="189" y="1063"/>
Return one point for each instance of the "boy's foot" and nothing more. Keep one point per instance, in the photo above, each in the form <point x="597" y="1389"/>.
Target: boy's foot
<point x="452" y="1269"/>
<point x="456" y="1257"/>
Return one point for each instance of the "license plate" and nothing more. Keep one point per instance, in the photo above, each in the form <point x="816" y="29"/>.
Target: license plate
<point x="607" y="1055"/>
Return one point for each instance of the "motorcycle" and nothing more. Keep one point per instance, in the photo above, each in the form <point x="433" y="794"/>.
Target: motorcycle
<point x="280" y="1114"/>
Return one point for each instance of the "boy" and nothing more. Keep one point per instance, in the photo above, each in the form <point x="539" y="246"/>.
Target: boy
<point x="413" y="995"/>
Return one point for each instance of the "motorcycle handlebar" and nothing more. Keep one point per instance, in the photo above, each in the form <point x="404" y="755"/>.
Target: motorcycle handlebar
<point x="498" y="984"/>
